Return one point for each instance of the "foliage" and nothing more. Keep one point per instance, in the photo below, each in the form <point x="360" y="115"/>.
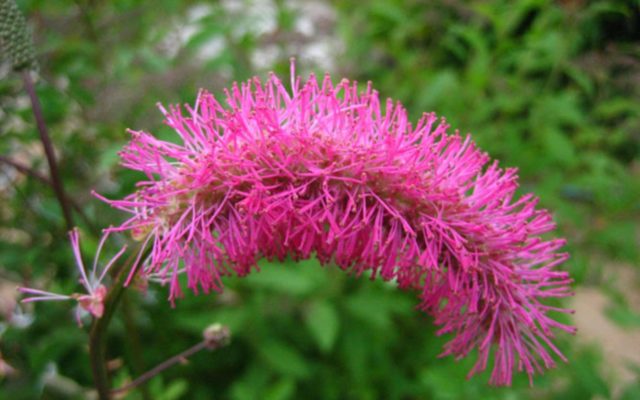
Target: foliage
<point x="542" y="86"/>
<point x="550" y="87"/>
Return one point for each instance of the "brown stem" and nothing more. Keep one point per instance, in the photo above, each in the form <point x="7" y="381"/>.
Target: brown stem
<point x="215" y="337"/>
<point x="37" y="175"/>
<point x="48" y="149"/>
<point x="25" y="169"/>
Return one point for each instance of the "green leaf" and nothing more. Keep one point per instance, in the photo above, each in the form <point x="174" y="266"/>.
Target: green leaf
<point x="559" y="147"/>
<point x="282" y="278"/>
<point x="282" y="390"/>
<point x="174" y="390"/>
<point x="284" y="359"/>
<point x="323" y="323"/>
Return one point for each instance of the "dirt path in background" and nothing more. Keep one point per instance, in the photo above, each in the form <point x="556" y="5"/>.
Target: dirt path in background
<point x="619" y="346"/>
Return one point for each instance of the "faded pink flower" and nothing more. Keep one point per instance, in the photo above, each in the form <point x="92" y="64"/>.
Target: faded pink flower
<point x="329" y="170"/>
<point x="93" y="300"/>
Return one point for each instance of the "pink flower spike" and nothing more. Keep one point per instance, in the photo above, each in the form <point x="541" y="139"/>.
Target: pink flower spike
<point x="328" y="170"/>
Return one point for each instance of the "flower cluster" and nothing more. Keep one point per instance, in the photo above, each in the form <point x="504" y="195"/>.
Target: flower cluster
<point x="331" y="171"/>
<point x="93" y="300"/>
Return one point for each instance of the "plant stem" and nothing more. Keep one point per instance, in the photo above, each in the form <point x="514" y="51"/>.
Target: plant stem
<point x="25" y="169"/>
<point x="220" y="339"/>
<point x="44" y="179"/>
<point x="48" y="149"/>
<point x="161" y="367"/>
<point x="98" y="344"/>
<point x="98" y="333"/>
<point x="134" y="341"/>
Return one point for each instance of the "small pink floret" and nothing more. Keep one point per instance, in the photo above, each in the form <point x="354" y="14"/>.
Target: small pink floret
<point x="92" y="300"/>
<point x="94" y="303"/>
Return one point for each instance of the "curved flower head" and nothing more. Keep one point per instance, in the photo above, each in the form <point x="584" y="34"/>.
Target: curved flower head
<point x="92" y="301"/>
<point x="331" y="171"/>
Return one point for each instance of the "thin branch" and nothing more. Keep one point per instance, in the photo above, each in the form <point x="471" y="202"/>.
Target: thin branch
<point x="48" y="149"/>
<point x="45" y="180"/>
<point x="216" y="336"/>
<point x="25" y="169"/>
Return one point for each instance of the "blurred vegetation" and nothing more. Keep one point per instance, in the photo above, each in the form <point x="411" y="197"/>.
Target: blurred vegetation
<point x="551" y="87"/>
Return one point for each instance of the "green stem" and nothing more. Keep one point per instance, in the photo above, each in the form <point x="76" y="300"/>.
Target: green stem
<point x="98" y="333"/>
<point x="98" y="344"/>
<point x="134" y="342"/>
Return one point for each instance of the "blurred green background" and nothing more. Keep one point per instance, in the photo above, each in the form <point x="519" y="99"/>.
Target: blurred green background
<point x="551" y="87"/>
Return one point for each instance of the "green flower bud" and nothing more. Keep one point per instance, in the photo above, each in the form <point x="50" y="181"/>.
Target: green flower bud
<point x="15" y="41"/>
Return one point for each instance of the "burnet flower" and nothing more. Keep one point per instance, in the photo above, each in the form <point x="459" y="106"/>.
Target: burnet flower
<point x="92" y="300"/>
<point x="329" y="170"/>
